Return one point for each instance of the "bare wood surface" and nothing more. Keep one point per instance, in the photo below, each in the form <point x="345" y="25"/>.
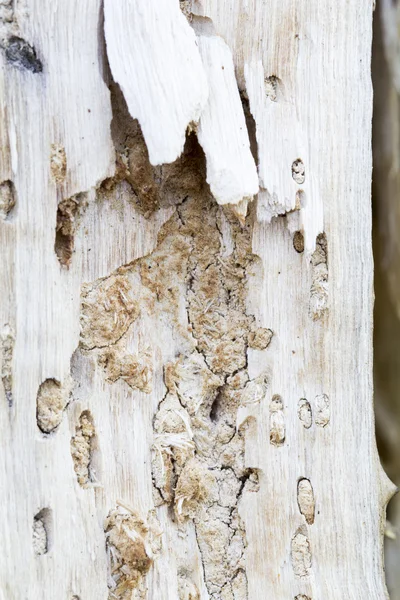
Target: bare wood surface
<point x="186" y="408"/>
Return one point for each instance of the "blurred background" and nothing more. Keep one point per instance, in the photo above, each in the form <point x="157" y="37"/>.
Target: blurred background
<point x="386" y="240"/>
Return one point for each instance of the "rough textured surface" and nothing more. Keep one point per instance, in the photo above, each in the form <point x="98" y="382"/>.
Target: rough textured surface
<point x="305" y="500"/>
<point x="58" y="163"/>
<point x="39" y="537"/>
<point x="198" y="456"/>
<point x="298" y="242"/>
<point x="151" y="187"/>
<point x="82" y="449"/>
<point x="68" y="214"/>
<point x="276" y="422"/>
<point x="305" y="413"/>
<point x="322" y="410"/>
<point x="187" y="591"/>
<point x="204" y="286"/>
<point x="319" y="286"/>
<point x="50" y="404"/>
<point x="136" y="370"/>
<point x="298" y="171"/>
<point x="7" y="350"/>
<point x="260" y="338"/>
<point x="20" y="54"/>
<point x="301" y="555"/>
<point x="108" y="310"/>
<point x="158" y="45"/>
<point x="7" y="198"/>
<point x="41" y="529"/>
<point x="130" y="544"/>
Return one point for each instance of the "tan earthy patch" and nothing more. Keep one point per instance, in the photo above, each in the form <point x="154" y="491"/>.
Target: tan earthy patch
<point x="131" y="544"/>
<point x="7" y="350"/>
<point x="58" y="163"/>
<point x="50" y="404"/>
<point x="301" y="554"/>
<point x="198" y="455"/>
<point x="152" y="187"/>
<point x="260" y="339"/>
<point x="319" y="285"/>
<point x="136" y="371"/>
<point x="68" y="213"/>
<point x="298" y="242"/>
<point x="7" y="198"/>
<point x="199" y="267"/>
<point x="194" y="487"/>
<point x="305" y="500"/>
<point x="108" y="310"/>
<point x="82" y="449"/>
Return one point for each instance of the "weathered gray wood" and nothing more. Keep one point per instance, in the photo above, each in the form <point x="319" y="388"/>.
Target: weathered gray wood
<point x="186" y="409"/>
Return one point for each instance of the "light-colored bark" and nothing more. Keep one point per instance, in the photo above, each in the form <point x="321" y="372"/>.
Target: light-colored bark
<point x="186" y="406"/>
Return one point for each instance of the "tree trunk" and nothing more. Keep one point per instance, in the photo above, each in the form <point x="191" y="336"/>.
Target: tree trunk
<point x="186" y="407"/>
